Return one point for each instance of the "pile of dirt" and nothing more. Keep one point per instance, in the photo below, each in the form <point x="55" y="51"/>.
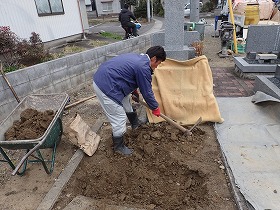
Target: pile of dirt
<point x="167" y="170"/>
<point x="32" y="125"/>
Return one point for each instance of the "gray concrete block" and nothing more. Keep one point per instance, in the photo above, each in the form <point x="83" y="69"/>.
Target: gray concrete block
<point x="74" y="59"/>
<point x="263" y="84"/>
<point x="77" y="80"/>
<point x="191" y="37"/>
<point x="58" y="71"/>
<point x="57" y="65"/>
<point x="23" y="90"/>
<point x="158" y="39"/>
<point x="101" y="60"/>
<point x="277" y="72"/>
<point x="134" y="42"/>
<point x="2" y="81"/>
<point x="17" y="77"/>
<point x="118" y="46"/>
<point x="89" y="75"/>
<point x="37" y="71"/>
<point x="42" y="82"/>
<point x="6" y="109"/>
<point x="110" y="48"/>
<point x="6" y="96"/>
<point x="61" y="86"/>
<point x="89" y="55"/>
<point x="142" y="48"/>
<point x="253" y="68"/>
<point x="101" y="52"/>
<point x="59" y="76"/>
<point x="76" y="70"/>
<point x="181" y="55"/>
<point x="90" y="64"/>
<point x="47" y="90"/>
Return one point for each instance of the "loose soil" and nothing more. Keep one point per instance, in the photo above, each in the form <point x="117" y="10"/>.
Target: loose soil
<point x="166" y="171"/>
<point x="32" y="125"/>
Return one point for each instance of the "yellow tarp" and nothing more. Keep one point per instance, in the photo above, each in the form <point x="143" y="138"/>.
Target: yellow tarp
<point x="184" y="90"/>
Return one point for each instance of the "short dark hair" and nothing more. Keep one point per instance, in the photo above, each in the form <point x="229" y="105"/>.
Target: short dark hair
<point x="125" y="6"/>
<point x="157" y="51"/>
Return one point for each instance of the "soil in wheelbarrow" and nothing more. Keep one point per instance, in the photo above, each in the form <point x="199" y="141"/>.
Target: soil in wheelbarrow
<point x="167" y="170"/>
<point x="32" y="125"/>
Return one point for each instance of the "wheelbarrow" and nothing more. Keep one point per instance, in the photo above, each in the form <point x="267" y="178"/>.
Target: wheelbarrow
<point x="50" y="139"/>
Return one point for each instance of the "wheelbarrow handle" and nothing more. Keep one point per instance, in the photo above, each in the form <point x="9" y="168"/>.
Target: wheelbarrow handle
<point x="25" y="157"/>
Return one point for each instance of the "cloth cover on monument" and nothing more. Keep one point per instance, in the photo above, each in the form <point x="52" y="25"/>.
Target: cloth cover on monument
<point x="184" y="91"/>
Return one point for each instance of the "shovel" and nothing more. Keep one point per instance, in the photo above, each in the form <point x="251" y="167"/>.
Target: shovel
<point x="172" y="122"/>
<point x="8" y="83"/>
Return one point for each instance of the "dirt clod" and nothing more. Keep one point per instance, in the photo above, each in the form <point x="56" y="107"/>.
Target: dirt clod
<point x="32" y="125"/>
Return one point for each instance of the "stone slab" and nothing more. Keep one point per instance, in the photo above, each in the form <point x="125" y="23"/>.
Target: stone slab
<point x="266" y="56"/>
<point x="189" y="38"/>
<point x="253" y="68"/>
<point x="263" y="84"/>
<point x="181" y="55"/>
<point x="267" y="37"/>
<point x="277" y="72"/>
<point x="84" y="203"/>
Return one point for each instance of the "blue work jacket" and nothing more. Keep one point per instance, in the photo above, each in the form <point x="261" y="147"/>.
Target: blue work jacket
<point x="121" y="75"/>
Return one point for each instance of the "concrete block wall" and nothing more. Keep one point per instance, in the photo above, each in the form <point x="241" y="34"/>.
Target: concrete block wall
<point x="62" y="74"/>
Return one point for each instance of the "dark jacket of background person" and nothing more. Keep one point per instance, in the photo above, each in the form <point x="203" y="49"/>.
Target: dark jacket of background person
<point x="125" y="16"/>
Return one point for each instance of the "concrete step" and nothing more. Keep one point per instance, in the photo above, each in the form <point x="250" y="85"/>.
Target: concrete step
<point x="85" y="203"/>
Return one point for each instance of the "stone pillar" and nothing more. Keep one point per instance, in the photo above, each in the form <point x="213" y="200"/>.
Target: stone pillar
<point x="194" y="13"/>
<point x="174" y="31"/>
<point x="174" y="24"/>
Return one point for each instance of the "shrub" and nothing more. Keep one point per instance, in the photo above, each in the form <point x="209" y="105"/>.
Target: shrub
<point x="8" y="47"/>
<point x="158" y="9"/>
<point x="141" y="10"/>
<point x="17" y="53"/>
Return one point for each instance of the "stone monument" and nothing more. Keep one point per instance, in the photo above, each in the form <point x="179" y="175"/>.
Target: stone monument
<point x="194" y="13"/>
<point x="174" y="31"/>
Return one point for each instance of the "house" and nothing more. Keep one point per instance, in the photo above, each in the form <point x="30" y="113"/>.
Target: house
<point x="56" y="21"/>
<point x="108" y="7"/>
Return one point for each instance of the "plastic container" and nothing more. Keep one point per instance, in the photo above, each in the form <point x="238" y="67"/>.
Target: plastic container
<point x="240" y="47"/>
<point x="252" y="16"/>
<point x="199" y="27"/>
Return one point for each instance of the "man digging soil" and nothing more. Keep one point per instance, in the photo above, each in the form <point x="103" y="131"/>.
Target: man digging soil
<point x="116" y="79"/>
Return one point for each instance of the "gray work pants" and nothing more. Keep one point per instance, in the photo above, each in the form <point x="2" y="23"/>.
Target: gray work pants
<point x="115" y="113"/>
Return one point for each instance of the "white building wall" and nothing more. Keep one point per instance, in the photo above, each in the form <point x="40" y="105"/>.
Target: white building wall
<point x="22" y="18"/>
<point x="116" y="7"/>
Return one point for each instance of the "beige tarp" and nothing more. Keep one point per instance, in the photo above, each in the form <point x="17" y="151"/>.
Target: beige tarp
<point x="184" y="90"/>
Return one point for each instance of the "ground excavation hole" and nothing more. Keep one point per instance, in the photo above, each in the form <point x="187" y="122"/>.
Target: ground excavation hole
<point x="167" y="170"/>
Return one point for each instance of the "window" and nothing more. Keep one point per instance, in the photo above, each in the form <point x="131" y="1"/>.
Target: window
<point x="107" y="6"/>
<point x="49" y="7"/>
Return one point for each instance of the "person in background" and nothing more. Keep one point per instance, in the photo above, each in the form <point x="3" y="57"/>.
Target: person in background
<point x="119" y="77"/>
<point x="125" y="17"/>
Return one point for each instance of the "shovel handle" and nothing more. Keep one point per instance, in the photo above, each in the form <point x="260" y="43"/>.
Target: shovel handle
<point x="7" y="81"/>
<point x="170" y="121"/>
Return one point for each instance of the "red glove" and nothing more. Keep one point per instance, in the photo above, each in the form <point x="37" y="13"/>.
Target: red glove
<point x="156" y="112"/>
<point x="136" y="94"/>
